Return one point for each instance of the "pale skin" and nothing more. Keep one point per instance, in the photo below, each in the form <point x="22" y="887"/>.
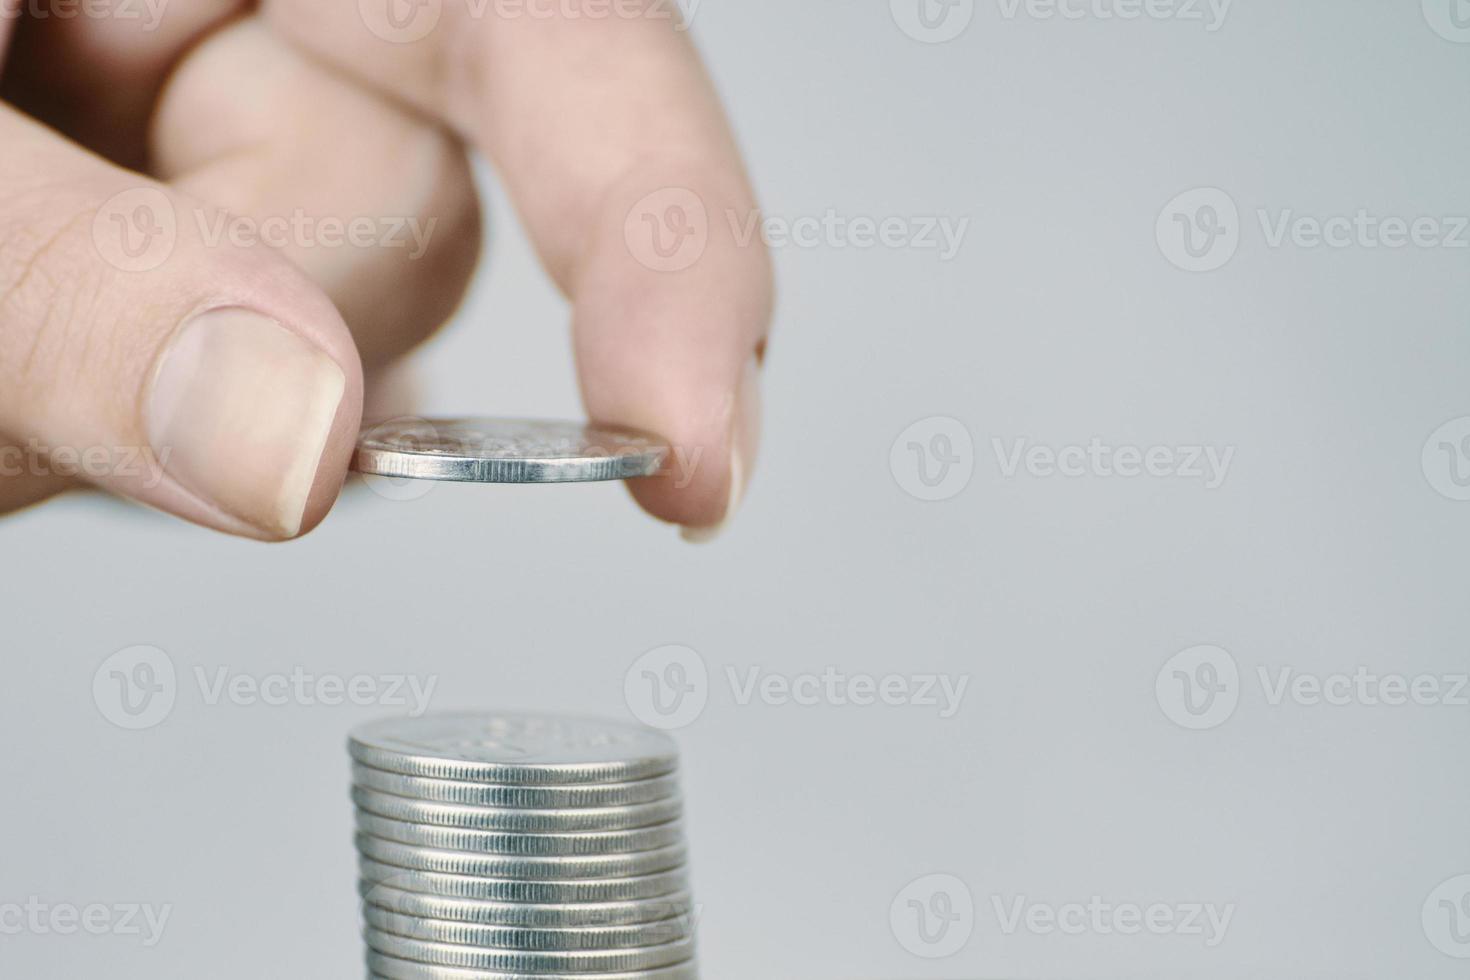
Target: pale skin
<point x="271" y="351"/>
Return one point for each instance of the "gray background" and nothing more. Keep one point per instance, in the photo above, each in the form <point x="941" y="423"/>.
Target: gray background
<point x="1060" y="598"/>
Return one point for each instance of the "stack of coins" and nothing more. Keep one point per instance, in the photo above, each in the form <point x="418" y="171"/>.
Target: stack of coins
<point x="502" y="847"/>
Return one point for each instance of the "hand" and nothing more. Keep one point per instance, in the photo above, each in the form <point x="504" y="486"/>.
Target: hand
<point x="202" y="338"/>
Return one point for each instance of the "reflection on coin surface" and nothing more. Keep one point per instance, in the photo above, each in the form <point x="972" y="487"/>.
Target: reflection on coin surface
<point x="515" y="749"/>
<point x="483" y="450"/>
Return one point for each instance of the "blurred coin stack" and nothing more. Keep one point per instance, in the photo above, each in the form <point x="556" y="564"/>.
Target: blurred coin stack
<point x="519" y="847"/>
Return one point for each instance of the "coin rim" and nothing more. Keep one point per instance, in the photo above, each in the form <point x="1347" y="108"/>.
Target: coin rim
<point x="366" y="744"/>
<point x="558" y="868"/>
<point x="568" y="891"/>
<point x="580" y="961"/>
<point x="557" y="915"/>
<point x="545" y="820"/>
<point x="414" y="970"/>
<point x="633" y="935"/>
<point x="431" y="789"/>
<point x="383" y="460"/>
<point x="509" y="797"/>
<point x="588" y="844"/>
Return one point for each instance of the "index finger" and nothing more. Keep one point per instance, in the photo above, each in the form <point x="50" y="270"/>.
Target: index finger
<point x="610" y="139"/>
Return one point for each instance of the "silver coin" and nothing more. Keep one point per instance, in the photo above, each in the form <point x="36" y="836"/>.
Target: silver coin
<point x="590" y="844"/>
<point x="515" y="749"/>
<point x="543" y="821"/>
<point x="655" y="789"/>
<point x="481" y="450"/>
<point x="571" y="961"/>
<point x="393" y="968"/>
<point x="520" y="868"/>
<point x="527" y="915"/>
<point x="656" y="933"/>
<point x="567" y="892"/>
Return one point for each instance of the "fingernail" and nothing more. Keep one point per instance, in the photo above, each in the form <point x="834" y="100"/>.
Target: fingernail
<point x="745" y="421"/>
<point x="243" y="408"/>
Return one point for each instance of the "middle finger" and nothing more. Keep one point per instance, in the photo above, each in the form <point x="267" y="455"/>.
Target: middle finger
<point x="375" y="203"/>
<point x="96" y="78"/>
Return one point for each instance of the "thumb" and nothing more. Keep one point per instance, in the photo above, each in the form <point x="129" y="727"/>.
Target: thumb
<point x="211" y="381"/>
